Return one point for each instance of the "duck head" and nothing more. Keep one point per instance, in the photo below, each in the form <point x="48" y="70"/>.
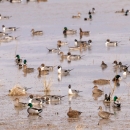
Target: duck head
<point x="30" y="104"/>
<point x="115" y="98"/>
<point x="17" y="56"/>
<point x="25" y="61"/>
<point x="95" y="87"/>
<point x="100" y="108"/>
<point x="69" y="86"/>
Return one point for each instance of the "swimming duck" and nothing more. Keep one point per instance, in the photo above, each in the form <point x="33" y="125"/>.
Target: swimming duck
<point x="116" y="102"/>
<point x="73" y="113"/>
<point x="42" y="72"/>
<point x="73" y="57"/>
<point x="36" y="32"/>
<point x="19" y="104"/>
<point x="122" y="66"/>
<point x="18" y="60"/>
<point x="78" y="16"/>
<point x="35" y="101"/>
<point x="76" y="48"/>
<point x="103" y="65"/>
<point x="63" y="56"/>
<point x="96" y="90"/>
<point x="111" y="43"/>
<point x="33" y="111"/>
<point x="3" y="34"/>
<point x="84" y="32"/>
<point x="27" y="70"/>
<point x="49" y="68"/>
<point x="67" y="31"/>
<point x="126" y="72"/>
<point x="54" y="49"/>
<point x="5" y="17"/>
<point x="82" y="43"/>
<point x="73" y="92"/>
<point x="126" y="13"/>
<point x="116" y="64"/>
<point x="9" y="28"/>
<point x="10" y="38"/>
<point x="61" y="43"/>
<point x="15" y="1"/>
<point x="104" y="114"/>
<point x="121" y="11"/>
<point x="101" y="82"/>
<point x="117" y="78"/>
<point x="63" y="72"/>
<point x="107" y="98"/>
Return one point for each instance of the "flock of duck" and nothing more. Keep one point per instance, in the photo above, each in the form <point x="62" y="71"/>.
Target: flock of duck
<point x="36" y="103"/>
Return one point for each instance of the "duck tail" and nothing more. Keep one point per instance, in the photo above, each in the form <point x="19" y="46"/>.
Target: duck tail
<point x="71" y="69"/>
<point x="17" y="37"/>
<point x="63" y="96"/>
<point x="48" y="49"/>
<point x="26" y="88"/>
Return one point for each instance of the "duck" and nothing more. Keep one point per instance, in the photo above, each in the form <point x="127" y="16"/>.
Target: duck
<point x="73" y="92"/>
<point x="61" y="43"/>
<point x="116" y="64"/>
<point x="9" y="28"/>
<point x="19" y="104"/>
<point x="49" y="68"/>
<point x="55" y="50"/>
<point x="42" y="72"/>
<point x="84" y="32"/>
<point x="67" y="31"/>
<point x="121" y="66"/>
<point x="27" y="70"/>
<point x="116" y="102"/>
<point x="36" y="32"/>
<point x="63" y="72"/>
<point x="117" y="78"/>
<point x="73" y="113"/>
<point x="104" y="114"/>
<point x="107" y="98"/>
<point x="111" y="43"/>
<point x="83" y="43"/>
<point x="78" y="16"/>
<point x="15" y="1"/>
<point x="96" y="90"/>
<point x="73" y="57"/>
<point x="76" y="48"/>
<point x="62" y="55"/>
<point x="103" y="65"/>
<point x="35" y="101"/>
<point x="121" y="11"/>
<point x="5" y="17"/>
<point x="3" y="34"/>
<point x="10" y="38"/>
<point x="90" y="17"/>
<point x="126" y="13"/>
<point x="33" y="111"/>
<point x="101" y="82"/>
<point x="126" y="72"/>
<point x="18" y="60"/>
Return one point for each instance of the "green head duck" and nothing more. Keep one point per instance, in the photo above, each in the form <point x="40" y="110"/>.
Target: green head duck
<point x="18" y="57"/>
<point x="25" y="61"/>
<point x="115" y="98"/>
<point x="65" y="28"/>
<point x="117" y="76"/>
<point x="30" y="104"/>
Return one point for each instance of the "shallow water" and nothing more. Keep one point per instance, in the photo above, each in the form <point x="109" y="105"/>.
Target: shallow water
<point x="51" y="17"/>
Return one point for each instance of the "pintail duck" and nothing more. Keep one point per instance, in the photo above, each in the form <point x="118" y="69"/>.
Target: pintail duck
<point x="19" y="104"/>
<point x="121" y="11"/>
<point x="9" y="28"/>
<point x="104" y="114"/>
<point x="116" y="65"/>
<point x="117" y="78"/>
<point x="73" y="113"/>
<point x="42" y="72"/>
<point x="63" y="72"/>
<point x="96" y="90"/>
<point x="15" y="1"/>
<point x="103" y="65"/>
<point x="33" y="111"/>
<point x="55" y="50"/>
<point x="18" y="60"/>
<point x="36" y="32"/>
<point x="73" y="57"/>
<point x="67" y="31"/>
<point x="84" y="32"/>
<point x="5" y="17"/>
<point x="73" y="92"/>
<point x="76" y="48"/>
<point x="83" y="43"/>
<point x="63" y="56"/>
<point x="3" y="34"/>
<point x="126" y="13"/>
<point x="111" y="43"/>
<point x="61" y="43"/>
<point x="101" y="82"/>
<point x="10" y="38"/>
<point x="35" y="101"/>
<point x="121" y="66"/>
<point x="78" y="16"/>
<point x="116" y="102"/>
<point x="49" y="68"/>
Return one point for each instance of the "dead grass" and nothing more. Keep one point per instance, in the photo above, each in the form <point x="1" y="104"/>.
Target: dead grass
<point x="47" y="85"/>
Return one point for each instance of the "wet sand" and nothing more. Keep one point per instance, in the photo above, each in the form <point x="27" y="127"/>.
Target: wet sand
<point x="51" y="17"/>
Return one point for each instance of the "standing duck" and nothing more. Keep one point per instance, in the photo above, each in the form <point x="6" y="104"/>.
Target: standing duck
<point x="73" y="113"/>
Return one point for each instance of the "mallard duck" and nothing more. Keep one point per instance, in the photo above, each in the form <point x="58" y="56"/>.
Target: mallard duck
<point x="67" y="31"/>
<point x="42" y="72"/>
<point x="33" y="111"/>
<point x="5" y="17"/>
<point x="61" y="43"/>
<point x="101" y="81"/>
<point x="104" y="114"/>
<point x="116" y="102"/>
<point x="9" y="28"/>
<point x="27" y="70"/>
<point x="117" y="78"/>
<point x="111" y="43"/>
<point x="62" y="71"/>
<point x="121" y="11"/>
<point x="18" y="60"/>
<point x="78" y="16"/>
<point x="103" y="65"/>
<point x="36" y="32"/>
<point x="96" y="90"/>
<point x="73" y="113"/>
<point x="84" y="32"/>
<point x="49" y="68"/>
<point x="19" y="104"/>
<point x="73" y="92"/>
<point x="35" y="101"/>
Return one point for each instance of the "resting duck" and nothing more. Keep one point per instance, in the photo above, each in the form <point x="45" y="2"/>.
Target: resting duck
<point x="111" y="43"/>
<point x="96" y="90"/>
<point x="73" y="113"/>
<point x="116" y="102"/>
<point x="67" y="31"/>
<point x="5" y="17"/>
<point x="33" y="111"/>
<point x="36" y="32"/>
<point x="104" y="114"/>
<point x="78" y="16"/>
